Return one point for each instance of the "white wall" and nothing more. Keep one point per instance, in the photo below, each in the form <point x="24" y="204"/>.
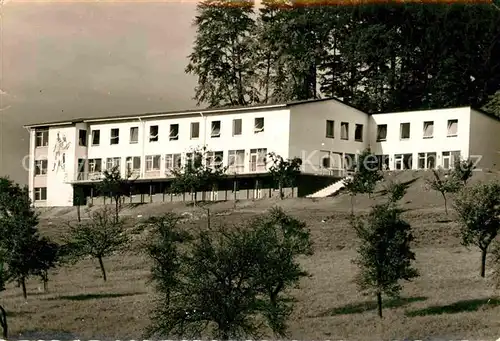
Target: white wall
<point x="485" y="140"/>
<point x="416" y="143"/>
<point x="308" y="139"/>
<point x="59" y="191"/>
<point x="274" y="137"/>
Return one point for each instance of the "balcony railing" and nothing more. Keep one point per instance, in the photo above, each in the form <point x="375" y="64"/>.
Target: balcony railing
<point x="89" y="176"/>
<point x="257" y="167"/>
<point x="236" y="169"/>
<point x="152" y="174"/>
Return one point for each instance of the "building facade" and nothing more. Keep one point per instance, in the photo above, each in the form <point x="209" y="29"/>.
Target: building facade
<point x="326" y="134"/>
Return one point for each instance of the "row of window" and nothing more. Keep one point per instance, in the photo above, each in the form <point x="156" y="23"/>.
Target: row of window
<point x="344" y="131"/>
<point x="427" y="133"/>
<point x="235" y="158"/>
<point x="42" y="136"/>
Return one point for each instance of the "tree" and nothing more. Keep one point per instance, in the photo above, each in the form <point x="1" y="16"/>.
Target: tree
<point x="48" y="252"/>
<point x="478" y="209"/>
<point x="222" y="56"/>
<point x="284" y="172"/>
<point x="444" y="184"/>
<point x="230" y="280"/>
<point x="163" y="249"/>
<point x="384" y="256"/>
<point x="99" y="237"/>
<point x="463" y="170"/>
<point x="24" y="251"/>
<point x="395" y="191"/>
<point x="200" y="172"/>
<point x="115" y="187"/>
<point x="367" y="173"/>
<point x="3" y="315"/>
<point x="365" y="177"/>
<point x="493" y="105"/>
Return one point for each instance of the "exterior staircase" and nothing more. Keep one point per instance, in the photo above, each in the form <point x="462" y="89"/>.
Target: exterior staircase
<point x="329" y="190"/>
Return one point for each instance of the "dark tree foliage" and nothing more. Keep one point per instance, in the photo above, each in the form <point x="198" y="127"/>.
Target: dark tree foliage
<point x="478" y="209"/>
<point x="463" y="171"/>
<point x="25" y="253"/>
<point x="378" y="57"/>
<point x="384" y="256"/>
<point x="222" y="56"/>
<point x="284" y="172"/>
<point x="98" y="237"/>
<point x="163" y="249"/>
<point x="226" y="282"/>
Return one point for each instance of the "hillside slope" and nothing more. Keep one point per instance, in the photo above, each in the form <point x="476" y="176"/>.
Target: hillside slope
<point x="447" y="301"/>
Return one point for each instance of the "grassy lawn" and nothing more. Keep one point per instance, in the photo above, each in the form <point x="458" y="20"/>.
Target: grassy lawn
<point x="448" y="301"/>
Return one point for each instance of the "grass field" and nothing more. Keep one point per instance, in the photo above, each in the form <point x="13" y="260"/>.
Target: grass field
<point x="448" y="301"/>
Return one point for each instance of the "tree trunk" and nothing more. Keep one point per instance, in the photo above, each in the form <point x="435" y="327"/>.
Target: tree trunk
<point x="379" y="303"/>
<point x="117" y="208"/>
<point x="280" y="186"/>
<point x="445" y="203"/>
<point x="78" y="211"/>
<point x="45" y="281"/>
<point x="352" y="204"/>
<point x="23" y="285"/>
<point x="101" y="264"/>
<point x="483" y="262"/>
<point x="3" y="322"/>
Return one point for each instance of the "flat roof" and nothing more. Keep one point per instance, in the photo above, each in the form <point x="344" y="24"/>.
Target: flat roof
<point x="184" y="112"/>
<point x="249" y="108"/>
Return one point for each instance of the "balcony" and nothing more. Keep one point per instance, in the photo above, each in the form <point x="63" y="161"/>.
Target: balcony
<point x="258" y="167"/>
<point x="89" y="176"/>
<point x="236" y="169"/>
<point x="152" y="174"/>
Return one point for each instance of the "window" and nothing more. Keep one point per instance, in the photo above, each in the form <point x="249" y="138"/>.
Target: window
<point x="153" y="163"/>
<point x="344" y="131"/>
<point x="426" y="160"/>
<point x="95" y="165"/>
<point x="358" y="133"/>
<point x="329" y="129"/>
<point x="41" y="167"/>
<point x="174" y="132"/>
<point x="215" y="132"/>
<point x="215" y="159"/>
<point x="428" y="129"/>
<point x="96" y="137"/>
<point x="236" y="161"/>
<point x="237" y="126"/>
<point x="452" y="128"/>
<point x="153" y="134"/>
<point x="194" y="160"/>
<point x="172" y="161"/>
<point x="40" y="193"/>
<point x="134" y="135"/>
<point x="259" y="125"/>
<point x="258" y="160"/>
<point x="133" y="164"/>
<point x="449" y="159"/>
<point x="112" y="162"/>
<point x="81" y="165"/>
<point x="381" y="132"/>
<point x="195" y="130"/>
<point x="405" y="131"/>
<point x="115" y="136"/>
<point x="82" y="137"/>
<point x="41" y="138"/>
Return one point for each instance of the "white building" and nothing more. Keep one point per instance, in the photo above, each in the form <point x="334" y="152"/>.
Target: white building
<point x="326" y="134"/>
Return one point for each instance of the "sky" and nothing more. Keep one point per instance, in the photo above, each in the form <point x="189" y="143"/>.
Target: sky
<point x="62" y="60"/>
